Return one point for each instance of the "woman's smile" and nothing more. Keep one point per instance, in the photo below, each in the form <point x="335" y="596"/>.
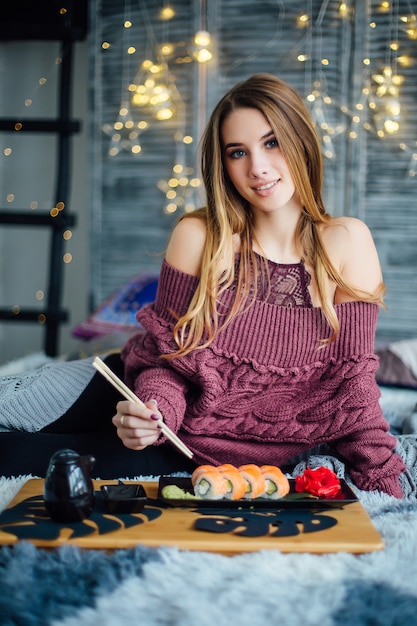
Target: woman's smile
<point x="266" y="187"/>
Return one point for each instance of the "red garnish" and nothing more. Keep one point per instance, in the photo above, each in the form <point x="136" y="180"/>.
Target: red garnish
<point x="319" y="482"/>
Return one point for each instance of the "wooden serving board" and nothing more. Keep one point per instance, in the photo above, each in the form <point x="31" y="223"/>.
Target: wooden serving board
<point x="225" y="531"/>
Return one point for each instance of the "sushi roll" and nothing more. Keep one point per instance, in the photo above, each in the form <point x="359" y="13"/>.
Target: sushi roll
<point x="277" y="484"/>
<point x="236" y="483"/>
<point x="255" y="480"/>
<point x="209" y="484"/>
<point x="198" y="470"/>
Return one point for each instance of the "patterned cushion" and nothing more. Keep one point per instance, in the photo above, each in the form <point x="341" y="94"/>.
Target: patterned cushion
<point x="117" y="313"/>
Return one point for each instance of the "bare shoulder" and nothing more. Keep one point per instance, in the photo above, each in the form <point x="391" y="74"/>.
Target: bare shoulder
<point x="350" y="230"/>
<point x="344" y="236"/>
<point x="186" y="245"/>
<point x="352" y="251"/>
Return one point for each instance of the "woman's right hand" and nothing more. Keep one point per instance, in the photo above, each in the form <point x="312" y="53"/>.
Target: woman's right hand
<point x="137" y="427"/>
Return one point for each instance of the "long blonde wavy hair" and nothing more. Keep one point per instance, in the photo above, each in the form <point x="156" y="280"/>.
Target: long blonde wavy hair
<point x="227" y="213"/>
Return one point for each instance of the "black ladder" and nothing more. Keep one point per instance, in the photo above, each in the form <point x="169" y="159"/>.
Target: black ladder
<point x="48" y="20"/>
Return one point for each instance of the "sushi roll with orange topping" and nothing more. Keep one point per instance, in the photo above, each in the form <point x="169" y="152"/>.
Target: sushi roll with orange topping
<point x="209" y="484"/>
<point x="277" y="484"/>
<point x="198" y="470"/>
<point x="236" y="484"/>
<point x="255" y="480"/>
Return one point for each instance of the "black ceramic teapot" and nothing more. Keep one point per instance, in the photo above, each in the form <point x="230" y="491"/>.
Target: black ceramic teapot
<point x="68" y="489"/>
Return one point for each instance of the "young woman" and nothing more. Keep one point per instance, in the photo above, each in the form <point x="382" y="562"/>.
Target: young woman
<point x="260" y="344"/>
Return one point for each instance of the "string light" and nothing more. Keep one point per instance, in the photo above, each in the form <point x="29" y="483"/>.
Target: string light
<point x="303" y="21"/>
<point x="381" y="91"/>
<point x="167" y="13"/>
<point x="384" y="6"/>
<point x="404" y="60"/>
<point x="326" y="130"/>
<point x="344" y="10"/>
<point x="409" y="25"/>
<point x="125" y="132"/>
<point x="201" y="49"/>
<point x="388" y="82"/>
<point x="180" y="189"/>
<point x="154" y="94"/>
<point x="384" y="99"/>
<point x="385" y="103"/>
<point x="412" y="152"/>
<point x="413" y="165"/>
<point x="153" y="91"/>
<point x="320" y="103"/>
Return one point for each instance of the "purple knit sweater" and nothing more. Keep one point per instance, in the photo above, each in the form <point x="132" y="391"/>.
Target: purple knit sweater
<point x="262" y="392"/>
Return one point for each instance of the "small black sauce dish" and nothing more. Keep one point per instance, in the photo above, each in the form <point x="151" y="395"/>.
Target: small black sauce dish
<point x="123" y="498"/>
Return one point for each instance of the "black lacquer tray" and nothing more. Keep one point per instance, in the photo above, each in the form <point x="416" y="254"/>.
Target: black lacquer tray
<point x="292" y="500"/>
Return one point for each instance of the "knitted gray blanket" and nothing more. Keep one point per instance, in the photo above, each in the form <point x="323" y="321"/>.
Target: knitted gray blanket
<point x="31" y="400"/>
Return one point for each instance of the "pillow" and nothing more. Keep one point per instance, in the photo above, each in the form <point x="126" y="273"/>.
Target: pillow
<point x="117" y="313"/>
<point x="406" y="350"/>
<point x="393" y="370"/>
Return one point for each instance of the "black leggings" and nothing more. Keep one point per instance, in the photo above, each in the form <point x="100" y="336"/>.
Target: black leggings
<point x="87" y="428"/>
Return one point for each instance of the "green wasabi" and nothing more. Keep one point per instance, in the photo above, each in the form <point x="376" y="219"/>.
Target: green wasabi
<point x="173" y="492"/>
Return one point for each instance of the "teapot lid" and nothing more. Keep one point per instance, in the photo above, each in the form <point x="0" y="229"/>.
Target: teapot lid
<point x="65" y="456"/>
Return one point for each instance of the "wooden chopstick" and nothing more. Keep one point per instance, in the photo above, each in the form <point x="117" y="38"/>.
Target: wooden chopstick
<point x="129" y="395"/>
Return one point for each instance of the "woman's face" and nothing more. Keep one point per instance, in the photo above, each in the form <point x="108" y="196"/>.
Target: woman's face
<point x="254" y="161"/>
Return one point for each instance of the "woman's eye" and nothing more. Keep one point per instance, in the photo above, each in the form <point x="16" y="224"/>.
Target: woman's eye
<point x="272" y="143"/>
<point x="237" y="154"/>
